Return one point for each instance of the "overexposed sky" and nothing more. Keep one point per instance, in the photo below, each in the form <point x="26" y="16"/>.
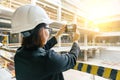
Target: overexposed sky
<point x="100" y="8"/>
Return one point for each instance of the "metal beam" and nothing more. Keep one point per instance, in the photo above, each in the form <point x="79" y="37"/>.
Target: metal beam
<point x="5" y="29"/>
<point x="46" y="5"/>
<point x="5" y="21"/>
<point x="104" y="34"/>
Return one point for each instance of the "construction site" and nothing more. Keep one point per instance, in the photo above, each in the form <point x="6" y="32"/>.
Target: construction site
<point x="98" y="23"/>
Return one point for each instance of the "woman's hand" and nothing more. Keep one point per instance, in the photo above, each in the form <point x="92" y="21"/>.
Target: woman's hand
<point x="76" y="36"/>
<point x="62" y="29"/>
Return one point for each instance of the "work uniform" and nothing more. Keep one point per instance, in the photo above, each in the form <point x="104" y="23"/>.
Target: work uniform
<point x="44" y="63"/>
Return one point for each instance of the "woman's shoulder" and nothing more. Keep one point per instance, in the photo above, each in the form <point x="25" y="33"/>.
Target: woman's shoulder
<point x="19" y="49"/>
<point x="39" y="52"/>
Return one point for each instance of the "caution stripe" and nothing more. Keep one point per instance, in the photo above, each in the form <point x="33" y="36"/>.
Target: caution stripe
<point x="94" y="69"/>
<point x="76" y="66"/>
<point x="98" y="70"/>
<point x="113" y="74"/>
<point x="89" y="68"/>
<point x="118" y="75"/>
<point x="84" y="68"/>
<point x="107" y="72"/>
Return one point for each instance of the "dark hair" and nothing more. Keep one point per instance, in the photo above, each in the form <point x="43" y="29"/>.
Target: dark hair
<point x="34" y="40"/>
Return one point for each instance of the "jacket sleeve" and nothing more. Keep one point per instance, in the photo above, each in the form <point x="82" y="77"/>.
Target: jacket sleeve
<point x="63" y="62"/>
<point x="50" y="43"/>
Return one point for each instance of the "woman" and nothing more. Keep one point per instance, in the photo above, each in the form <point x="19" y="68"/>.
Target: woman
<point x="35" y="60"/>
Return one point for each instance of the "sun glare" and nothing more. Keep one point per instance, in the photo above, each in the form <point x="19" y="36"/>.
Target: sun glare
<point x="103" y="9"/>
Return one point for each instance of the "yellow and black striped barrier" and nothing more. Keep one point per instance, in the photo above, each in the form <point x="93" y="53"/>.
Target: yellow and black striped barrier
<point x="105" y="72"/>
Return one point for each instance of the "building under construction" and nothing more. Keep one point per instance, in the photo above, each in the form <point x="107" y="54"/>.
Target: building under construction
<point x="99" y="25"/>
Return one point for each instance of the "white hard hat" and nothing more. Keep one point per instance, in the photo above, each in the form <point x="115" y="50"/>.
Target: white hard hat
<point x="27" y="17"/>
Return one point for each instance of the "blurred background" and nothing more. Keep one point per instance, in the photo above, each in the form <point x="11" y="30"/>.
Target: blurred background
<point x="98" y="22"/>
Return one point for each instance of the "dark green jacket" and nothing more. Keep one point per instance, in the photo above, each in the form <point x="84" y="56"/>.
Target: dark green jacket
<point x="43" y="63"/>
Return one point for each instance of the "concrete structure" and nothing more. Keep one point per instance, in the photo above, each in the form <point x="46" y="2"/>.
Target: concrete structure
<point x="57" y="10"/>
<point x="95" y="25"/>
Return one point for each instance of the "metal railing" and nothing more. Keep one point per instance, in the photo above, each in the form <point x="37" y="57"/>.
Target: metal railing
<point x="80" y="43"/>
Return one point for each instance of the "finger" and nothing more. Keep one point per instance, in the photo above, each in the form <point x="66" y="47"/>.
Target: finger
<point x="62" y="27"/>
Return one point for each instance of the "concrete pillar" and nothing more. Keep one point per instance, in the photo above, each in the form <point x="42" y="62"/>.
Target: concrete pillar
<point x="59" y="13"/>
<point x="85" y="44"/>
<point x="19" y="38"/>
<point x="7" y="41"/>
<point x="33" y="2"/>
<point x="59" y="19"/>
<point x="59" y="41"/>
<point x="85" y="40"/>
<point x="75" y="19"/>
<point x="93" y="41"/>
<point x="10" y="4"/>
